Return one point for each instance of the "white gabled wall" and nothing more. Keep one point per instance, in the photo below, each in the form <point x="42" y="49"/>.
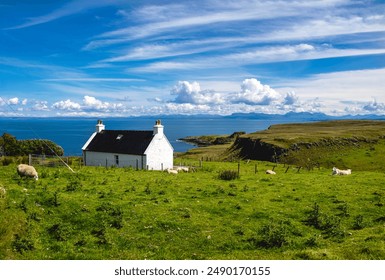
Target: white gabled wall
<point x="160" y="154"/>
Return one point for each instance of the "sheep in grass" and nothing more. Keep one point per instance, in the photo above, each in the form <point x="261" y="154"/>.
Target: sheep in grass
<point x="270" y="172"/>
<point x="182" y="169"/>
<point x="2" y="192"/>
<point x="337" y="171"/>
<point x="25" y="170"/>
<point x="171" y="171"/>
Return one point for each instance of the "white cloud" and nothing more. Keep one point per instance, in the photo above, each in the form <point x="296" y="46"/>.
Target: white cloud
<point x="374" y="107"/>
<point x="40" y="106"/>
<point x="253" y="96"/>
<point x="66" y="105"/>
<point x="93" y="103"/>
<point x="254" y="93"/>
<point x="13" y="101"/>
<point x="90" y="103"/>
<point x="191" y="93"/>
<point x="291" y="98"/>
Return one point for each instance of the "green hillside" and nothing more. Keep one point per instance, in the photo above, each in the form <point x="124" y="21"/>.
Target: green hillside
<point x="346" y="144"/>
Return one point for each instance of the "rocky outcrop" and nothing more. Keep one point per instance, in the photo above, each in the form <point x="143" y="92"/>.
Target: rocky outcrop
<point x="209" y="140"/>
<point x="248" y="148"/>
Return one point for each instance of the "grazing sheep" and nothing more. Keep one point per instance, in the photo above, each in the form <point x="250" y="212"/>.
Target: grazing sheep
<point x="2" y="192"/>
<point x="25" y="170"/>
<point x="337" y="171"/>
<point x="171" y="171"/>
<point x="182" y="168"/>
<point x="271" y="172"/>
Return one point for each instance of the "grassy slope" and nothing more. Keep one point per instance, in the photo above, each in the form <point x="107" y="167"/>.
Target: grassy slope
<point x="286" y="134"/>
<point x="114" y="213"/>
<point x="359" y="145"/>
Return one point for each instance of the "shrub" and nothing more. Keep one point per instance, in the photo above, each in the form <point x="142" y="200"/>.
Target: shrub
<point x="73" y="185"/>
<point x="59" y="232"/>
<point x="314" y="218"/>
<point x="7" y="161"/>
<point x="273" y="235"/>
<point x="100" y="234"/>
<point x="329" y="224"/>
<point x="359" y="222"/>
<point x="21" y="244"/>
<point x="112" y="215"/>
<point x="228" y="175"/>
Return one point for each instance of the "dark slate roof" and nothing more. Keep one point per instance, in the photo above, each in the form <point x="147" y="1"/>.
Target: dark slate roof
<point x="133" y="142"/>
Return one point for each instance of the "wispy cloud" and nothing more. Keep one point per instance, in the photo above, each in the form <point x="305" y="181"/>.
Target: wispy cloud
<point x="166" y="18"/>
<point x="94" y="80"/>
<point x="258" y="55"/>
<point x="246" y="32"/>
<point x="73" y="7"/>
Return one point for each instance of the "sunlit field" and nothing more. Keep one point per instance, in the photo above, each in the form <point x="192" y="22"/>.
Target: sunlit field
<point x="122" y="213"/>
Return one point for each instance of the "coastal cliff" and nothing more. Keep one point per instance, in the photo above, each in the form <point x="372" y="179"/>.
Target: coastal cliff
<point x="309" y="145"/>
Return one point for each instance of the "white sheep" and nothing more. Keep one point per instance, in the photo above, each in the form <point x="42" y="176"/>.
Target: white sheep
<point x="2" y="192"/>
<point x="182" y="168"/>
<point x="337" y="171"/>
<point x="271" y="172"/>
<point x="171" y="171"/>
<point x="25" y="170"/>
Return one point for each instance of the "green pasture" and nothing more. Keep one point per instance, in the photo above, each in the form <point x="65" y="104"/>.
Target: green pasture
<point x="122" y="213"/>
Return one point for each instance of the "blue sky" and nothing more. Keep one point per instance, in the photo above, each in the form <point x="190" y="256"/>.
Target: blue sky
<point x="124" y="58"/>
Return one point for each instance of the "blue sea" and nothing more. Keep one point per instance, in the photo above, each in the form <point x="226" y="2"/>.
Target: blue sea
<point x="72" y="133"/>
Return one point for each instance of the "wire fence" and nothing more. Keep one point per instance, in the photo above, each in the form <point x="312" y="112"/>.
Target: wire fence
<point x="53" y="161"/>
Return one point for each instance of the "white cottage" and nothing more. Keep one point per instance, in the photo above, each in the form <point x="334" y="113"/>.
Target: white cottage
<point x="139" y="149"/>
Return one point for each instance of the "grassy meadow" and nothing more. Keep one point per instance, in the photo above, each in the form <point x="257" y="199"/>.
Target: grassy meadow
<point x="122" y="213"/>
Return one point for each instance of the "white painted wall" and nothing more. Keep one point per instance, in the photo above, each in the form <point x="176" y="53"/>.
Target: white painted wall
<point x="108" y="159"/>
<point x="160" y="153"/>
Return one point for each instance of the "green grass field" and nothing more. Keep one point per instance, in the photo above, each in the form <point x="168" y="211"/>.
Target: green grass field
<point x="121" y="213"/>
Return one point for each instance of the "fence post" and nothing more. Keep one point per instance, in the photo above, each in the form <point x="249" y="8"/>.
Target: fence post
<point x="255" y="169"/>
<point x="29" y="159"/>
<point x="239" y="168"/>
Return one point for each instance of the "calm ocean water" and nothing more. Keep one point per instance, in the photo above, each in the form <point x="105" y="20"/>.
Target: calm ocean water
<point x="72" y="133"/>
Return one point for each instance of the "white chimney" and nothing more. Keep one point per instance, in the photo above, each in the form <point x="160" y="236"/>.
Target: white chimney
<point x="158" y="129"/>
<point x="100" y="126"/>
